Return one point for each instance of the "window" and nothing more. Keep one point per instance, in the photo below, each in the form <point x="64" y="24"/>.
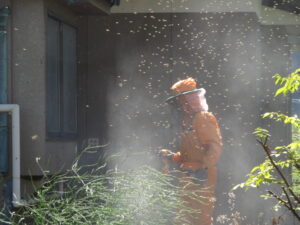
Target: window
<point x="295" y="58"/>
<point x="295" y="111"/>
<point x="61" y="80"/>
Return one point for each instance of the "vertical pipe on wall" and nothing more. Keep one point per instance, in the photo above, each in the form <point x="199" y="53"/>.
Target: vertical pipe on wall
<point x="3" y="90"/>
<point x="16" y="155"/>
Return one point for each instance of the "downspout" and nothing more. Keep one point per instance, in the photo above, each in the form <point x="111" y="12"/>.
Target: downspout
<point x="4" y="13"/>
<point x="14" y="109"/>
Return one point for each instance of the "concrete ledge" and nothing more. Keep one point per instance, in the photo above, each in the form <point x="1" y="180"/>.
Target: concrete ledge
<point x="271" y="16"/>
<point x="177" y="6"/>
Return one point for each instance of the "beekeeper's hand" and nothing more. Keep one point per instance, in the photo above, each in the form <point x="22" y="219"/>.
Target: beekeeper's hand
<point x="165" y="153"/>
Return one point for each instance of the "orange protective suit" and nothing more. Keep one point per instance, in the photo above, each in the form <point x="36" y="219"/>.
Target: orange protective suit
<point x="200" y="149"/>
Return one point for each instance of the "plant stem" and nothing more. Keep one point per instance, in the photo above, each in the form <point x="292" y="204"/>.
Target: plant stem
<point x="285" y="204"/>
<point x="280" y="200"/>
<point x="268" y="150"/>
<point x="292" y="209"/>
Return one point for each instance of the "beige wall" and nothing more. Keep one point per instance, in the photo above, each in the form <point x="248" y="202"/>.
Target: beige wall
<point x="4" y="3"/>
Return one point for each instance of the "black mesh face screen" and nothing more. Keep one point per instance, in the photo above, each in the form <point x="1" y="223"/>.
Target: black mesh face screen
<point x="174" y="103"/>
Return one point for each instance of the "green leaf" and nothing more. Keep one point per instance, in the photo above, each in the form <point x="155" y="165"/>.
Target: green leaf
<point x="254" y="169"/>
<point x="261" y="133"/>
<point x="279" y="91"/>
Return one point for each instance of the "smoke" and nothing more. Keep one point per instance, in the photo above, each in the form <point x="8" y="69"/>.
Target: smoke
<point x="230" y="54"/>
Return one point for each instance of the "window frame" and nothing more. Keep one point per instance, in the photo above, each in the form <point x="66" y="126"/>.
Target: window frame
<point x="61" y="135"/>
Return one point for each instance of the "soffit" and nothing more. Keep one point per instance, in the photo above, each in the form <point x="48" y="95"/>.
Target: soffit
<point x="89" y="7"/>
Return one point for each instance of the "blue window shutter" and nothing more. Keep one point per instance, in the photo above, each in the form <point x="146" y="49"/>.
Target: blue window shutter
<point x="69" y="80"/>
<point x="53" y="76"/>
<point x="3" y="90"/>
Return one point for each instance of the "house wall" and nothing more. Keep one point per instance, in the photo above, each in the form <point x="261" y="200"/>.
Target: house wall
<point x="143" y="54"/>
<point x="128" y="61"/>
<point x="29" y="88"/>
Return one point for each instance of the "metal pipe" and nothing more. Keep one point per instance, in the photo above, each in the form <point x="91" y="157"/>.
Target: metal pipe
<point x="14" y="109"/>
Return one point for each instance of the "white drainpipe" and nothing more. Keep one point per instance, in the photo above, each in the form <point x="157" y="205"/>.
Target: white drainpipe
<point x="14" y="109"/>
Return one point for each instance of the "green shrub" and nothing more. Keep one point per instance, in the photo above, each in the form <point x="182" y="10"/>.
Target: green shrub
<point x="271" y="171"/>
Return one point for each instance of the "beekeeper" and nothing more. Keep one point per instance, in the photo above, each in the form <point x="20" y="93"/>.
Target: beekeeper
<point x="199" y="151"/>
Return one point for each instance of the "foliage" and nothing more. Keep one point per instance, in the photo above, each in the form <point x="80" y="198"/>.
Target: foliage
<point x="289" y="84"/>
<point x="271" y="170"/>
<point x="138" y="196"/>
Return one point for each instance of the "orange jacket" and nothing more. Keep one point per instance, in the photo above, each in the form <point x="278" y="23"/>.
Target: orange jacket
<point x="201" y="142"/>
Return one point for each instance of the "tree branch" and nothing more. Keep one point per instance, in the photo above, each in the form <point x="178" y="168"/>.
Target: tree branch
<point x="268" y="152"/>
<point x="292" y="209"/>
<point x="285" y="203"/>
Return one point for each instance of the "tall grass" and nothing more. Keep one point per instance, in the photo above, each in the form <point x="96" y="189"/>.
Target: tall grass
<point x="139" y="196"/>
